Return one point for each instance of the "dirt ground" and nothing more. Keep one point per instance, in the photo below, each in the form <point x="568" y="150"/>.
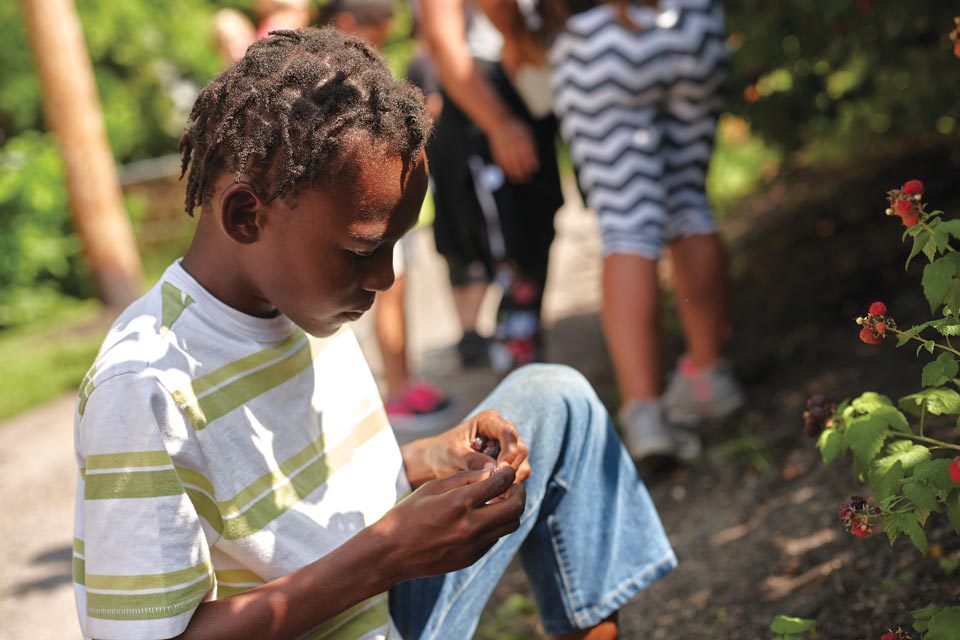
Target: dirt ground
<point x="754" y="523"/>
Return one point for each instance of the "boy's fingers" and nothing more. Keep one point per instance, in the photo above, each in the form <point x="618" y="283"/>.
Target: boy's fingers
<point x="491" y="487"/>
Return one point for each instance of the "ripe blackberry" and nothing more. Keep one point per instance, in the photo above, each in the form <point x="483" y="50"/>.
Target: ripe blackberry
<point x="818" y="415"/>
<point x="486" y="446"/>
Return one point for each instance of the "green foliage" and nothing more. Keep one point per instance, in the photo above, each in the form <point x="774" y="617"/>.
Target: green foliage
<point x="907" y="470"/>
<point x="787" y="628"/>
<point x="937" y="624"/>
<point x="838" y="75"/>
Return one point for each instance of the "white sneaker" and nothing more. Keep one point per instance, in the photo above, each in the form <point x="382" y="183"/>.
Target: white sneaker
<point x="647" y="433"/>
<point x="701" y="394"/>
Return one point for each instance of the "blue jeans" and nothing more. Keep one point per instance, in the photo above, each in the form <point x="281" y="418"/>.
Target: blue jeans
<point x="590" y="537"/>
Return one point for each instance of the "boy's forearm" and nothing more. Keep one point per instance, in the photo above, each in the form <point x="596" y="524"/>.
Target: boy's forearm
<point x="296" y="603"/>
<point x="414" y="464"/>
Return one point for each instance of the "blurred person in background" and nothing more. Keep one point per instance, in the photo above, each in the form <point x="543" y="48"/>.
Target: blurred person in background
<point x="496" y="184"/>
<point x="233" y="31"/>
<point x="415" y="405"/>
<point x="637" y="87"/>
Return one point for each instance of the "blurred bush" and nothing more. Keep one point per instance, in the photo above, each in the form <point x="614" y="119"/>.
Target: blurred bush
<point x="831" y="77"/>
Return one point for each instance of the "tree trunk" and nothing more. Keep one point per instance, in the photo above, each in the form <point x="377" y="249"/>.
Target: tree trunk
<point x="73" y="112"/>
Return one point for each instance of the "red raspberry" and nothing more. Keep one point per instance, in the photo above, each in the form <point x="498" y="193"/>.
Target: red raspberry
<point x="912" y="188"/>
<point x="955" y="470"/>
<point x="890" y="636"/>
<point x="861" y="530"/>
<point x="903" y="207"/>
<point x="910" y="219"/>
<point x="878" y="309"/>
<point x="868" y="335"/>
<point x="956" y="49"/>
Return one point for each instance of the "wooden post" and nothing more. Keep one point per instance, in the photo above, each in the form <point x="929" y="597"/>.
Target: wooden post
<point x="73" y="113"/>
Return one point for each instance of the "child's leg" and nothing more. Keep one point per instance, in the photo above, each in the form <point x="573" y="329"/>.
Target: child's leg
<point x="590" y="537"/>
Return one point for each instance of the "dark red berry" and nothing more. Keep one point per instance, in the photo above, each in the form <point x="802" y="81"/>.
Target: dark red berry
<point x="486" y="446"/>
<point x="955" y="470"/>
<point x="878" y="309"/>
<point x="913" y="188"/>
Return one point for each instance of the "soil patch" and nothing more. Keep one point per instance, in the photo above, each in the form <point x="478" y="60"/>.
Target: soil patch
<point x="754" y="522"/>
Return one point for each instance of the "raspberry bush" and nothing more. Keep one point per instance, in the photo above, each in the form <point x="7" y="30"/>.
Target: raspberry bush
<point x="913" y="475"/>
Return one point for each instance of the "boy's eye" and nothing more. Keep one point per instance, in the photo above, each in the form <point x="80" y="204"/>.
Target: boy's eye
<point x="360" y="256"/>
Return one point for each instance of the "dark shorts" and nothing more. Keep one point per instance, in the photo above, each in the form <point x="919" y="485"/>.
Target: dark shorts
<point x="521" y="229"/>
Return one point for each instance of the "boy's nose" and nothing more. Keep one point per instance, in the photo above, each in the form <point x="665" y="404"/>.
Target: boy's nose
<point x="379" y="277"/>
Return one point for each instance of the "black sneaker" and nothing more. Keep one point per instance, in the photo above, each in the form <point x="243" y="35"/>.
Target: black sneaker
<point x="473" y="349"/>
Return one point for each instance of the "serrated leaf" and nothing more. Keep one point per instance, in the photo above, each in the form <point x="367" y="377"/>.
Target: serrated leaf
<point x="865" y="437"/>
<point x="905" y="452"/>
<point x="951" y="227"/>
<point x="938" y="276"/>
<point x="919" y="241"/>
<point x="893" y="524"/>
<point x="938" y="401"/>
<point x="948" y="326"/>
<point x="915" y="532"/>
<point x="870" y="401"/>
<point x="831" y="444"/>
<point x="944" y="624"/>
<point x="885" y="480"/>
<point x="953" y="510"/>
<point x="952" y="299"/>
<point x="934" y="474"/>
<point x="920" y="495"/>
<point x="940" y="371"/>
<point x="787" y="624"/>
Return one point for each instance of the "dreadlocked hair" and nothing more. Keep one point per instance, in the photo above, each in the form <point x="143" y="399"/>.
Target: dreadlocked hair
<point x="288" y="113"/>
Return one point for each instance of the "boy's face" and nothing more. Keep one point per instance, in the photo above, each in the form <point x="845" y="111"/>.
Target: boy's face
<point x="322" y="256"/>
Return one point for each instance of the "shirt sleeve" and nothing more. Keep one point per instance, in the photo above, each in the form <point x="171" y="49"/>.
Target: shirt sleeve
<point x="144" y="565"/>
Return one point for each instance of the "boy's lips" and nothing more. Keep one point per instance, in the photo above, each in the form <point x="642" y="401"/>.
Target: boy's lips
<point x="355" y="314"/>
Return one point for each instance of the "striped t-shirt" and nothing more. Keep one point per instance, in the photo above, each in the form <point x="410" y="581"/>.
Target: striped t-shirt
<point x="219" y="451"/>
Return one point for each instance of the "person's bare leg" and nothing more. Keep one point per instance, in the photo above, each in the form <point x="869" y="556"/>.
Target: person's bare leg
<point x="467" y="300"/>
<point x="606" y="630"/>
<point x="391" y="329"/>
<point x="631" y="324"/>
<point x="702" y="294"/>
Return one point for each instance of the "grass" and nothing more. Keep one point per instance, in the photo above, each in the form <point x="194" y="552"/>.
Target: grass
<point x="44" y="360"/>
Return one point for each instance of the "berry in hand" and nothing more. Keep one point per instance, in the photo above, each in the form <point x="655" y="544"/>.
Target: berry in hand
<point x="486" y="446"/>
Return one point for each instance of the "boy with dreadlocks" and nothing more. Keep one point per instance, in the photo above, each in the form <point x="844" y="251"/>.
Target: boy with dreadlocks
<point x="238" y="476"/>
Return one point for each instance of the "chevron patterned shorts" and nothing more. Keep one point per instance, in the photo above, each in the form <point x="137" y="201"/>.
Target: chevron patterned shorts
<point x="639" y="109"/>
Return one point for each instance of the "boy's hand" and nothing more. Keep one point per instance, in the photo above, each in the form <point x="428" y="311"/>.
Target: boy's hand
<point x="447" y="524"/>
<point x="452" y="451"/>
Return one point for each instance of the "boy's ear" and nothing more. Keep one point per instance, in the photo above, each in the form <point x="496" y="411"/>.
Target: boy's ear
<point x="240" y="211"/>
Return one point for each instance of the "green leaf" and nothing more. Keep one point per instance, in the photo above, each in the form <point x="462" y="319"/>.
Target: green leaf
<point x="951" y="227"/>
<point x="870" y="401"/>
<point x="952" y="298"/>
<point x="938" y="276"/>
<point x="915" y="532"/>
<point x="940" y="371"/>
<point x="920" y="495"/>
<point x="893" y="524"/>
<point x="831" y="444"/>
<point x="885" y="480"/>
<point x="935" y="474"/>
<point x="905" y="452"/>
<point x="919" y="241"/>
<point x="921" y="618"/>
<point x="787" y="624"/>
<point x="953" y="510"/>
<point x="938" y="401"/>
<point x="865" y="436"/>
<point x="944" y="624"/>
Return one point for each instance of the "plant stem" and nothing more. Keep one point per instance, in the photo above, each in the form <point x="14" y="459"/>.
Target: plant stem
<point x="924" y="439"/>
<point x="923" y="415"/>
<point x="912" y="336"/>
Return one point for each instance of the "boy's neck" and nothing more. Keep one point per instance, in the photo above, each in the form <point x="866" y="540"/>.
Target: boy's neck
<point x="213" y="261"/>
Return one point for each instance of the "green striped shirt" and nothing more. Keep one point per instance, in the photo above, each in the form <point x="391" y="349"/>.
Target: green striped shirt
<point x="217" y="452"/>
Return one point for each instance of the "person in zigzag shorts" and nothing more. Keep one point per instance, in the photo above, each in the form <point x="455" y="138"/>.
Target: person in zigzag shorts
<point x="637" y="87"/>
